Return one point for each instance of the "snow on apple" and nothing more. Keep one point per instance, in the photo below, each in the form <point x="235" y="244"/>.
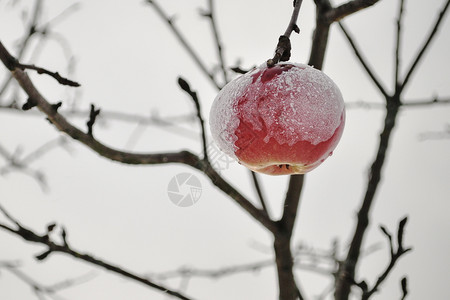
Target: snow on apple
<point x="282" y="120"/>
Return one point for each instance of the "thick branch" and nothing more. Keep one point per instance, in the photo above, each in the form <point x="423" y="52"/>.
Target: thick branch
<point x="320" y="37"/>
<point x="346" y="274"/>
<point x="291" y="203"/>
<point x="282" y="243"/>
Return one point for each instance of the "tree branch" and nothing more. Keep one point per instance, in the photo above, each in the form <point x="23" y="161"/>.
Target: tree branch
<point x="185" y="87"/>
<point x="12" y="63"/>
<point x="283" y="49"/>
<point x="184" y="157"/>
<point x="259" y="191"/>
<point x="398" y="45"/>
<point x="425" y="46"/>
<point x="183" y="42"/>
<point x="50" y="290"/>
<point x="291" y="203"/>
<point x="338" y="13"/>
<point x="404" y="285"/>
<point x="347" y="271"/>
<point x="282" y="243"/>
<point x="30" y="236"/>
<point x="218" y="41"/>
<point x="362" y="60"/>
<point x="395" y="255"/>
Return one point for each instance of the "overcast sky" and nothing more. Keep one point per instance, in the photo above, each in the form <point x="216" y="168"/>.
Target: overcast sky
<point x="127" y="60"/>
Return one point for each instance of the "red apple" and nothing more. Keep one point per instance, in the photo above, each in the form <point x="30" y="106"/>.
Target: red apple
<point x="282" y="120"/>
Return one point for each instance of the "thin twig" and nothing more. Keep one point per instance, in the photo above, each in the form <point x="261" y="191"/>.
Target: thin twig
<point x="169" y="123"/>
<point x="50" y="290"/>
<point x="362" y="60"/>
<point x="184" y="85"/>
<point x="395" y="255"/>
<point x="20" y="165"/>
<point x="218" y="41"/>
<point x="259" y="191"/>
<point x="12" y="63"/>
<point x="283" y="49"/>
<point x="425" y="46"/>
<point x="404" y="285"/>
<point x="293" y="21"/>
<point x="55" y="75"/>
<point x="338" y="13"/>
<point x="398" y="44"/>
<point x="197" y="59"/>
<point x="30" y="31"/>
<point x="420" y="103"/>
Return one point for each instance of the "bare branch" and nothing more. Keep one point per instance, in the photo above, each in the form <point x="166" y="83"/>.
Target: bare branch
<point x="12" y="63"/>
<point x="338" y="13"/>
<point x="30" y="31"/>
<point x="436" y="135"/>
<point x="404" y="285"/>
<point x="395" y="255"/>
<point x="92" y="117"/>
<point x="398" y="44"/>
<point x="406" y="103"/>
<point x="29" y="235"/>
<point x="419" y="103"/>
<point x="169" y="123"/>
<point x="425" y="46"/>
<point x="293" y="22"/>
<point x="15" y="163"/>
<point x="184" y="85"/>
<point x="50" y="290"/>
<point x="320" y="37"/>
<point x="197" y="59"/>
<point x="362" y="60"/>
<point x="346" y="273"/>
<point x="184" y="157"/>
<point x="217" y="39"/>
<point x="291" y="202"/>
<point x="259" y="191"/>
<point x="283" y="254"/>
<point x="283" y="50"/>
<point x="55" y="75"/>
<point x="213" y="273"/>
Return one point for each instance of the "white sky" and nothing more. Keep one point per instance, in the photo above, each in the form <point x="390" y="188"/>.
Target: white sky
<point x="127" y="60"/>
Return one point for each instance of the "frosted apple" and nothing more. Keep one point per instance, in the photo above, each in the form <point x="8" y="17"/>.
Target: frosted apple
<point x="282" y="120"/>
